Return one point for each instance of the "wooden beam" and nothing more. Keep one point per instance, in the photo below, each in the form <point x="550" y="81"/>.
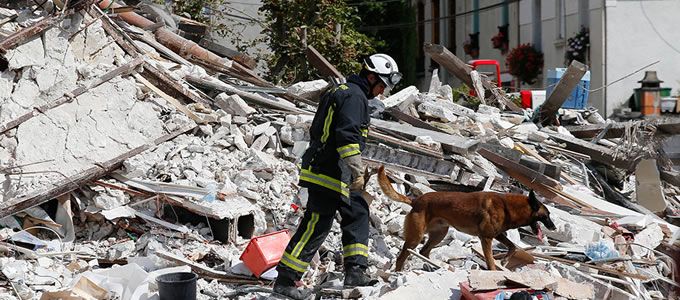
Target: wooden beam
<point x="148" y="39"/>
<point x="397" y="114"/>
<point x="16" y="205"/>
<point x="596" y="152"/>
<point x="524" y="148"/>
<point x="610" y="194"/>
<point x="121" y="38"/>
<point x="506" y="165"/>
<point x="563" y="89"/>
<point x="398" y="143"/>
<point x="161" y="78"/>
<point x="234" y="55"/>
<point x="28" y="33"/>
<point x="599" y="136"/>
<point x="456" y="144"/>
<point x="599" y="268"/>
<point x="250" y="97"/>
<point x="181" y="107"/>
<point x="122" y="70"/>
<point x="8" y="18"/>
<point x="668" y="126"/>
<point x="322" y="64"/>
<point x="672" y="177"/>
<point x="457" y="67"/>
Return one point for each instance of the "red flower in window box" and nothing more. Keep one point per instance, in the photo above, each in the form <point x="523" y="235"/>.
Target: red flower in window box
<point x="525" y="63"/>
<point x="501" y="40"/>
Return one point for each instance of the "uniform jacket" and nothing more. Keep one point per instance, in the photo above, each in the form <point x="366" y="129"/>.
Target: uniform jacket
<point x="339" y="130"/>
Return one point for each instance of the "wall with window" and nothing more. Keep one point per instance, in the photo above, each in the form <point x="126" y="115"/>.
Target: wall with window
<point x="547" y="23"/>
<point x="634" y="41"/>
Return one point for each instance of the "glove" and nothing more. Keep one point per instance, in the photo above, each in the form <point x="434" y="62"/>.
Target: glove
<point x="355" y="165"/>
<point x="357" y="184"/>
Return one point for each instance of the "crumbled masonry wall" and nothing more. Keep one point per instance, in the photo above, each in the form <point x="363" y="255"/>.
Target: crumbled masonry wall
<point x="103" y="123"/>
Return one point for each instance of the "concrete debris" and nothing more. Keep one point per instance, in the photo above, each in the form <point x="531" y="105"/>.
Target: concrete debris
<point x="403" y="95"/>
<point x="309" y="89"/>
<point x="102" y="192"/>
<point x="233" y="104"/>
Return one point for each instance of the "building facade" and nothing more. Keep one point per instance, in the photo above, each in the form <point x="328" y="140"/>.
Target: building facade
<point x="624" y="36"/>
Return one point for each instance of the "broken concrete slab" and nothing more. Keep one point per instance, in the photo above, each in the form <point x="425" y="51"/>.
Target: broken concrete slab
<point x="650" y="238"/>
<point x="80" y="134"/>
<point x="441" y="284"/>
<point x="572" y="290"/>
<point x="260" y="143"/>
<point x="433" y="110"/>
<point x="261" y="128"/>
<point x="648" y="189"/>
<point x="234" y="105"/>
<point x="309" y="89"/>
<point x="32" y="53"/>
<point x="596" y="152"/>
<point x="401" y="96"/>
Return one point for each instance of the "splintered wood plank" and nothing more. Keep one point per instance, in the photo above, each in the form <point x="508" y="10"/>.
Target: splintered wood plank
<point x="562" y="90"/>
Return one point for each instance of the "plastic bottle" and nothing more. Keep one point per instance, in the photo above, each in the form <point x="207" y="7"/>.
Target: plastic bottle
<point x="212" y="193"/>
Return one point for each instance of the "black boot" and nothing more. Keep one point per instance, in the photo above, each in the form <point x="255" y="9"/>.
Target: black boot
<point x="356" y="276"/>
<point x="286" y="287"/>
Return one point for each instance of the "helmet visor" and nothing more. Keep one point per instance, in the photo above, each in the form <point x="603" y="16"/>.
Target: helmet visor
<point x="391" y="79"/>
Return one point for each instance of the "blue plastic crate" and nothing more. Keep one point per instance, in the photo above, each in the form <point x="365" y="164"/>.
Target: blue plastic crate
<point x="579" y="96"/>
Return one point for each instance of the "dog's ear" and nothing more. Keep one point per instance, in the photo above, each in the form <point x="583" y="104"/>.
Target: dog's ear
<point x="534" y="202"/>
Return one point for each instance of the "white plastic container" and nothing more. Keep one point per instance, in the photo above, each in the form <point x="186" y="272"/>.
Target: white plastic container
<point x="668" y="104"/>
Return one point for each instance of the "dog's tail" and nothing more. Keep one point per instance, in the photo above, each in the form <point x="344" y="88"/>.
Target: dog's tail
<point x="387" y="188"/>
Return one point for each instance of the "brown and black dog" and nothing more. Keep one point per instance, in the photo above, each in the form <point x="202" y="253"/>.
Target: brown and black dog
<point x="486" y="215"/>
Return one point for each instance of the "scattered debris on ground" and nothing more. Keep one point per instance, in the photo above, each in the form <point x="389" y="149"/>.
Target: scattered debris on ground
<point x="125" y="157"/>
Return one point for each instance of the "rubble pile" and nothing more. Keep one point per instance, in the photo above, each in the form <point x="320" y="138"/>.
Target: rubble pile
<point x="124" y="158"/>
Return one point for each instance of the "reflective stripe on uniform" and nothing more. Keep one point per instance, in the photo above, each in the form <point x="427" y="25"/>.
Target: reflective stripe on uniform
<point x="327" y="124"/>
<point x="325" y="181"/>
<point x="306" y="235"/>
<point x="364" y="132"/>
<point x="355" y="249"/>
<point x="349" y="150"/>
<point x="294" y="263"/>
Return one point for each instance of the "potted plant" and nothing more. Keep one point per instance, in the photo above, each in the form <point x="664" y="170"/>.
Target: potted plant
<point x="501" y="40"/>
<point x="578" y="46"/>
<point x="525" y="63"/>
<point x="471" y="45"/>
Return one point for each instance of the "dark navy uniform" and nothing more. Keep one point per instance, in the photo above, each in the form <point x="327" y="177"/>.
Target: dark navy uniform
<point x="339" y="130"/>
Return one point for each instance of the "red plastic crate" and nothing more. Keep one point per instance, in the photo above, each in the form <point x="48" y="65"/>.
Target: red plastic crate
<point x="265" y="251"/>
<point x="526" y="98"/>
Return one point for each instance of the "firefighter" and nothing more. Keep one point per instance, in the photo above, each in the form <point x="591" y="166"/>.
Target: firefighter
<point x="331" y="170"/>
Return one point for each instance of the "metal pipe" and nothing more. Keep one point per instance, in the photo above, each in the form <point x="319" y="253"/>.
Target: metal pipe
<point x="173" y="41"/>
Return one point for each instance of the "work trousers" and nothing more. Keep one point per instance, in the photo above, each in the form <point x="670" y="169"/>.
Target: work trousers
<point x="315" y="226"/>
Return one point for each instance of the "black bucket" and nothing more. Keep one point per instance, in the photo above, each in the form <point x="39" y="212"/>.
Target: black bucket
<point x="177" y="286"/>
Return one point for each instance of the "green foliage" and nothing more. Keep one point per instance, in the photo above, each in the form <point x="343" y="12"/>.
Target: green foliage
<point x="399" y="42"/>
<point x="462" y="93"/>
<point x="525" y="63"/>
<point x="194" y="9"/>
<point x="284" y="21"/>
<point x="516" y="98"/>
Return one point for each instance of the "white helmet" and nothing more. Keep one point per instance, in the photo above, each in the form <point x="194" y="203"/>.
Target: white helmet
<point x="385" y="67"/>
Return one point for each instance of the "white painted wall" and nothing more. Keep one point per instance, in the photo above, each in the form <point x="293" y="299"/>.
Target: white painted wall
<point x="632" y="43"/>
<point x="248" y="29"/>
